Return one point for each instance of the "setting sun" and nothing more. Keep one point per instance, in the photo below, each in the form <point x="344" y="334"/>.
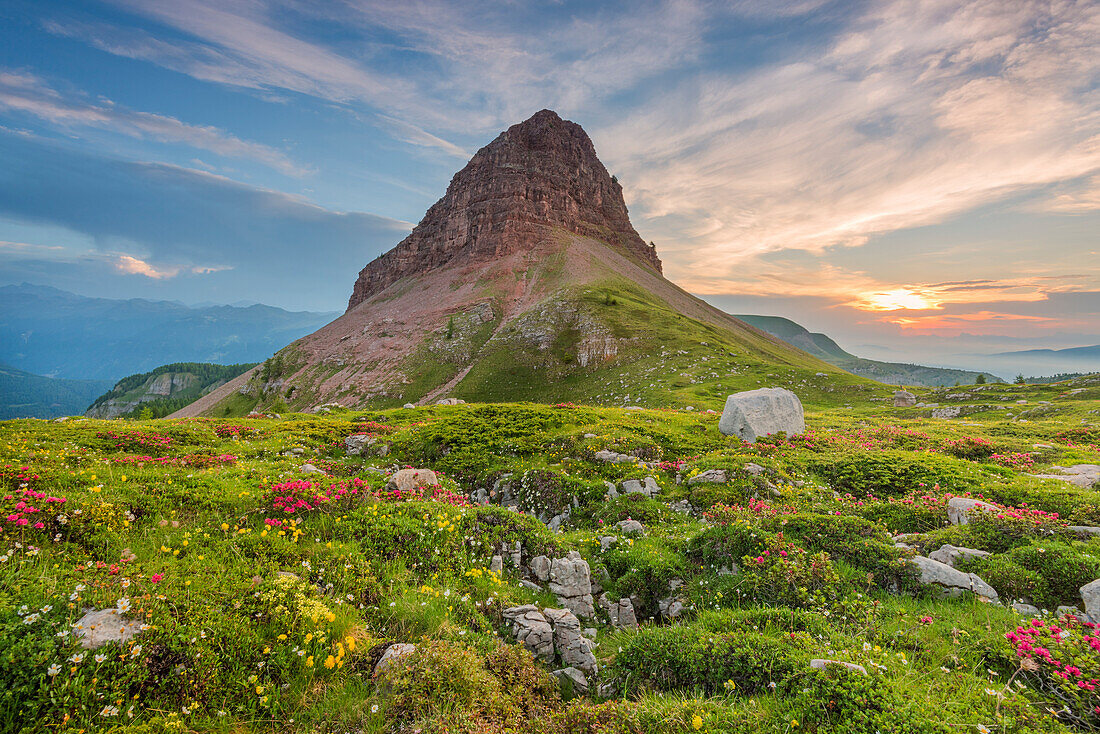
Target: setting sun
<point x="895" y="300"/>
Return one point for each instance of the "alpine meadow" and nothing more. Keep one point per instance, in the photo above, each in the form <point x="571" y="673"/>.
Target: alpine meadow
<point x="765" y="402"/>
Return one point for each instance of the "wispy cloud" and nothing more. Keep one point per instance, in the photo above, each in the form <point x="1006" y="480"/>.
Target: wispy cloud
<point x="30" y="94"/>
<point x="134" y="266"/>
<point x="919" y="111"/>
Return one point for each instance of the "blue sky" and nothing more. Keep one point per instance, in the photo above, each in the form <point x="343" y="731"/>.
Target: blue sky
<point x="922" y="176"/>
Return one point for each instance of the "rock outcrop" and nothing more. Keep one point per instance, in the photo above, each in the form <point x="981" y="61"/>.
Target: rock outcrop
<point x="951" y="581"/>
<point x="571" y="582"/>
<point x="538" y="174"/>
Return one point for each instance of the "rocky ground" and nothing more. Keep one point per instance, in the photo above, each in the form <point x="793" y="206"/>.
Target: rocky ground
<point x="559" y="568"/>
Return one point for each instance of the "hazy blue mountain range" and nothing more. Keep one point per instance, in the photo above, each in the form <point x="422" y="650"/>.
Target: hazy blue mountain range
<point x="23" y="395"/>
<point x="50" y="332"/>
<point x="891" y="373"/>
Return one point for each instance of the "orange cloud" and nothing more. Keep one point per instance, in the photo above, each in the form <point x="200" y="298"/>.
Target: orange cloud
<point x="988" y="322"/>
<point x="127" y="264"/>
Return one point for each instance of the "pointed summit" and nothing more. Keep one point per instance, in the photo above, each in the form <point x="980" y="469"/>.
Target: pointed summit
<point x="538" y="175"/>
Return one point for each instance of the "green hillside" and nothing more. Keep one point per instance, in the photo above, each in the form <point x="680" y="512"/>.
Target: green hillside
<point x="164" y="390"/>
<point x="23" y="395"/>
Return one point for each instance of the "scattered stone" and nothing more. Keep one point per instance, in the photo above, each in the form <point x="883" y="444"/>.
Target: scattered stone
<point x="98" y="627"/>
<point x="631" y="526"/>
<point x="532" y="630"/>
<point x="959" y="509"/>
<point x="450" y="401"/>
<point x="575" y="679"/>
<point x="1080" y="475"/>
<point x="540" y="568"/>
<point x="763" y="412"/>
<point x="904" y="399"/>
<point x="683" y="507"/>
<point x="409" y="406"/>
<point x="614" y="458"/>
<point x="953" y="411"/>
<point x="711" y="476"/>
<point x="590" y="435"/>
<point x="754" y="469"/>
<point x="950" y="553"/>
<point x="410" y="479"/>
<point x="1022" y="608"/>
<point x="571" y="582"/>
<point x="821" y="664"/>
<point x="1084" y="529"/>
<point x="670" y="608"/>
<point x="357" y="442"/>
<point x="621" y="612"/>
<point x="952" y="581"/>
<point x="496" y="564"/>
<point x="393" y="653"/>
<point x="1063" y="610"/>
<point x="530" y="585"/>
<point x="309" y="469"/>
<point x="606" y="541"/>
<point x="573" y="647"/>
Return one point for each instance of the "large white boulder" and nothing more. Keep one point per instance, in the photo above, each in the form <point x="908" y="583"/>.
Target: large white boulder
<point x="1090" y="595"/>
<point x="769" y="410"/>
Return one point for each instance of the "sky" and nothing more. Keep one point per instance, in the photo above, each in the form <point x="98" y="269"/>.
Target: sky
<point x="920" y="179"/>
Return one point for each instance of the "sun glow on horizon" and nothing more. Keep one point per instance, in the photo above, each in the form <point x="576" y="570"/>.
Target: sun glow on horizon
<point x="895" y="300"/>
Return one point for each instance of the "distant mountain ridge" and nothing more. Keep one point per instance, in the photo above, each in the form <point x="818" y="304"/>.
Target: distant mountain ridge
<point x="51" y="332"/>
<point x="891" y="373"/>
<point x="1091" y="352"/>
<point x="24" y="395"/>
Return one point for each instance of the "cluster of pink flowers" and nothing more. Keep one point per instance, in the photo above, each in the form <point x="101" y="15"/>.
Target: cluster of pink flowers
<point x="1059" y="649"/>
<point x="304" y="495"/>
<point x="726" y="514"/>
<point x="22" y="511"/>
<point x="21" y="475"/>
<point x="1014" y="460"/>
<point x="675" y="465"/>
<point x="196" y="460"/>
<point x="133" y="439"/>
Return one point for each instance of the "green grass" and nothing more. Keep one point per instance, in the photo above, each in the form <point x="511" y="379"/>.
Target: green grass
<point x="173" y="517"/>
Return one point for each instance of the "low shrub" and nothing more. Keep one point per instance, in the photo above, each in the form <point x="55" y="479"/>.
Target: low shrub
<point x="723" y="546"/>
<point x="1050" y="574"/>
<point x="643" y="569"/>
<point x="841" y="701"/>
<point x="689" y="658"/>
<point x="788" y="575"/>
<point x="892" y="473"/>
<point x="859" y="542"/>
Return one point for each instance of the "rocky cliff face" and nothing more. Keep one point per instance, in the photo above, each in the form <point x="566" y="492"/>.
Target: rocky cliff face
<point x="537" y="175"/>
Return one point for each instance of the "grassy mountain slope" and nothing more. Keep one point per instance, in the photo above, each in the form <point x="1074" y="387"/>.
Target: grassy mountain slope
<point x="572" y="320"/>
<point x="164" y="390"/>
<point x="24" y="395"/>
<point x="892" y="373"/>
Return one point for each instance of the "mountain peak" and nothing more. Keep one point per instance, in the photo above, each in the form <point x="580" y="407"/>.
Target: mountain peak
<point x="538" y="175"/>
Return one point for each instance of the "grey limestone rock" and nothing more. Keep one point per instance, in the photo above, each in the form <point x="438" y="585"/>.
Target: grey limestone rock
<point x="763" y="412"/>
